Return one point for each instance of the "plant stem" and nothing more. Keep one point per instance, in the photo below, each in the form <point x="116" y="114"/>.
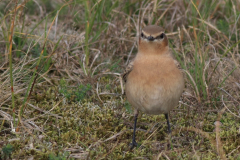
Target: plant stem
<point x="10" y="60"/>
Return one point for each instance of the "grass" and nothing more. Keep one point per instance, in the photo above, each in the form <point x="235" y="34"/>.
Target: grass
<point x="60" y="79"/>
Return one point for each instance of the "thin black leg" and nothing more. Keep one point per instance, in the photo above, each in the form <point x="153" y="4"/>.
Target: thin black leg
<point x="134" y="143"/>
<point x="169" y="128"/>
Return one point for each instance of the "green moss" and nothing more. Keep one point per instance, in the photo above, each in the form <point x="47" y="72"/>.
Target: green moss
<point x="7" y="151"/>
<point x="79" y="93"/>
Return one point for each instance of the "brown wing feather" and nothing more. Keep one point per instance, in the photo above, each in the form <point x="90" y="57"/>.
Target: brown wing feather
<point x="127" y="71"/>
<point x="177" y="64"/>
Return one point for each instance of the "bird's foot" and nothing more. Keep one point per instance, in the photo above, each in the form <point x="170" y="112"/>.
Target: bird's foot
<point x="133" y="144"/>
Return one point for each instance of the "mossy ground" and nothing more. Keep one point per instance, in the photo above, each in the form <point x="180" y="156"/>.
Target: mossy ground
<point x="76" y="109"/>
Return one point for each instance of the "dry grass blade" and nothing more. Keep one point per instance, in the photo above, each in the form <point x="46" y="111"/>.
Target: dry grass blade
<point x="165" y="11"/>
<point x="204" y="134"/>
<point x="195" y="86"/>
<point x="218" y="141"/>
<point x="45" y="112"/>
<point x="10" y="59"/>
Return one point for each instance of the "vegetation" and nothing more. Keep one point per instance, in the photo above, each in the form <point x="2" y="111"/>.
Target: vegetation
<point x="61" y="88"/>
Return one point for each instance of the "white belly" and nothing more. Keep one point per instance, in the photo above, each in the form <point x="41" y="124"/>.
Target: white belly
<point x="155" y="100"/>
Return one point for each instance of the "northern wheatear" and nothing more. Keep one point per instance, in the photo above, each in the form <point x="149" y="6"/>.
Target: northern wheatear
<point x="154" y="83"/>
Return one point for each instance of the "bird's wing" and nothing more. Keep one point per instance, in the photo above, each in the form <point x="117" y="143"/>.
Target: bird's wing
<point x="177" y="64"/>
<point x="127" y="71"/>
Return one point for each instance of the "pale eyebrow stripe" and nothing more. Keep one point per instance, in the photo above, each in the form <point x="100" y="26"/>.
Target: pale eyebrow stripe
<point x="145" y="34"/>
<point x="154" y="35"/>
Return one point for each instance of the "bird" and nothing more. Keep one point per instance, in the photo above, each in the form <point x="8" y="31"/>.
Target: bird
<point x="153" y="80"/>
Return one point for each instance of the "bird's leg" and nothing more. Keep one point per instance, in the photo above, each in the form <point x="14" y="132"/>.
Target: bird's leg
<point x="169" y="128"/>
<point x="134" y="143"/>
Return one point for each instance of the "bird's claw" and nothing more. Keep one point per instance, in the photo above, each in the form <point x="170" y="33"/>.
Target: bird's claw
<point x="133" y="144"/>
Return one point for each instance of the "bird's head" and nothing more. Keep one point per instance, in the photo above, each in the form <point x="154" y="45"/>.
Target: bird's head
<point x="153" y="39"/>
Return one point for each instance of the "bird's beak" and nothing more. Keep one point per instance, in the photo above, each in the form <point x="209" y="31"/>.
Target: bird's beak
<point x="150" y="38"/>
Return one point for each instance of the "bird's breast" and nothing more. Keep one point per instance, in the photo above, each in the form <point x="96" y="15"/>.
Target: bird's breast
<point x="154" y="85"/>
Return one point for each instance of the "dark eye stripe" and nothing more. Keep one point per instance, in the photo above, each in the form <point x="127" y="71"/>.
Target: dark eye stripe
<point x="161" y="36"/>
<point x="143" y="36"/>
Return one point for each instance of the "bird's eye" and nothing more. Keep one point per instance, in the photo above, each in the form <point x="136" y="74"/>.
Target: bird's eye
<point x="161" y="36"/>
<point x="142" y="35"/>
